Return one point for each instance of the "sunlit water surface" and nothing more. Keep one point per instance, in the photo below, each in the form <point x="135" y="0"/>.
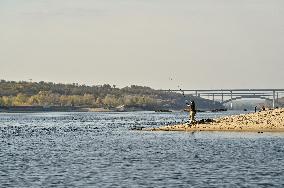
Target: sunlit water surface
<point x="99" y="150"/>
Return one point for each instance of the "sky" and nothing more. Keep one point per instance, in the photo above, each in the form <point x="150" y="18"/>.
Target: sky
<point x="164" y="44"/>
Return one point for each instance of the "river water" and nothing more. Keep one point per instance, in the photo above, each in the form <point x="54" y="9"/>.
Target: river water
<point x="99" y="150"/>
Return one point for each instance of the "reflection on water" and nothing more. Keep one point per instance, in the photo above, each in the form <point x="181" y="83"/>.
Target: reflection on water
<point x="98" y="150"/>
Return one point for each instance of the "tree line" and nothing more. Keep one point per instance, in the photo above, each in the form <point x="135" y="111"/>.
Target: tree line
<point x="24" y="93"/>
<point x="46" y="98"/>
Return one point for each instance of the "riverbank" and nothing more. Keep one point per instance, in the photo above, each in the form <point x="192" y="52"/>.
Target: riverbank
<point x="265" y="121"/>
<point x="33" y="109"/>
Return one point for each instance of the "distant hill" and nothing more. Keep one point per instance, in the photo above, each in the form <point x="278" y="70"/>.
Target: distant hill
<point x="24" y="93"/>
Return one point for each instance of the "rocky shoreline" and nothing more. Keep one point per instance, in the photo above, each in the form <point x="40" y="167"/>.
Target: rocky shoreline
<point x="264" y="121"/>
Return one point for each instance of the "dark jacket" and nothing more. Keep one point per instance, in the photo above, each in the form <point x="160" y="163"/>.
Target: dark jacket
<point x="192" y="106"/>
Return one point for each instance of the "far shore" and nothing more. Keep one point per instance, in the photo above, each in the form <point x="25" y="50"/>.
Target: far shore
<point x="36" y="109"/>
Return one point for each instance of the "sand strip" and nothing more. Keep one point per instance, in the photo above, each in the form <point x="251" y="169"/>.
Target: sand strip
<point x="265" y="121"/>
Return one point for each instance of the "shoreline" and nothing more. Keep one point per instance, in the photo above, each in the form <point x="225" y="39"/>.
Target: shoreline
<point x="39" y="109"/>
<point x="213" y="130"/>
<point x="265" y="121"/>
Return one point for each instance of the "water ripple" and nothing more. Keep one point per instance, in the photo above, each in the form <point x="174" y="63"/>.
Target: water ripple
<point x="98" y="150"/>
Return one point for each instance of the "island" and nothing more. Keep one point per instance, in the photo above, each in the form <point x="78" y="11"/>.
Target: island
<point x="264" y="121"/>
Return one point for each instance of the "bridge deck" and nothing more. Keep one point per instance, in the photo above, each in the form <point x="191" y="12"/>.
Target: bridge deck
<point x="236" y="93"/>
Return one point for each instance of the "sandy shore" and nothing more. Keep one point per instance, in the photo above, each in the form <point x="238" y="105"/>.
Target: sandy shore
<point x="265" y="121"/>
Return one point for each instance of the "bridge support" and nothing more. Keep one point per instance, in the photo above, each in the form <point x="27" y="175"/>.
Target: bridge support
<point x="231" y="99"/>
<point x="273" y="102"/>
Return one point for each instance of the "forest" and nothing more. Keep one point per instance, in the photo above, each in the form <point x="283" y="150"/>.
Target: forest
<point x="23" y="93"/>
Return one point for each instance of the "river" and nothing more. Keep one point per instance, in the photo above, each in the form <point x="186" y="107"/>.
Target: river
<point x="98" y="150"/>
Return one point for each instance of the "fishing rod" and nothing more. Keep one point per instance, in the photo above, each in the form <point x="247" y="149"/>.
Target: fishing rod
<point x="184" y="96"/>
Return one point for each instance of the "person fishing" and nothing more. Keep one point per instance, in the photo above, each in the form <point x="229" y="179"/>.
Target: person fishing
<point x="192" y="112"/>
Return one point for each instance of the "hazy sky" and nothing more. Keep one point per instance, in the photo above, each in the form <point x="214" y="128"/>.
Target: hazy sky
<point x="159" y="43"/>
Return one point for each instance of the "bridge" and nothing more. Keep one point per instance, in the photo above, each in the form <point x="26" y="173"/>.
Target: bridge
<point x="229" y="95"/>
